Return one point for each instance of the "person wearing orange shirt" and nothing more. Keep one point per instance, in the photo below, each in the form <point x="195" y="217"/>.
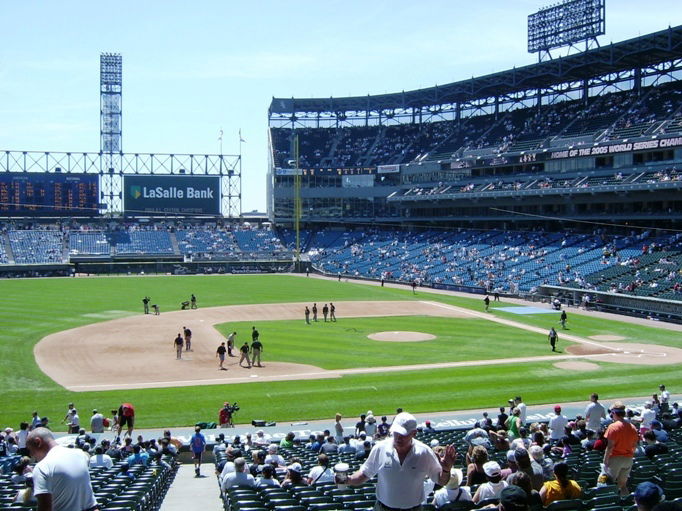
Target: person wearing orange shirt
<point x="622" y="441"/>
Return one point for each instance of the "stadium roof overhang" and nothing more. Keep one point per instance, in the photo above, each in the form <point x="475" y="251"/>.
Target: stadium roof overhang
<point x="641" y="52"/>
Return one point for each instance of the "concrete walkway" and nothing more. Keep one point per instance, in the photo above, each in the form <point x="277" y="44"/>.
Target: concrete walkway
<point x="188" y="492"/>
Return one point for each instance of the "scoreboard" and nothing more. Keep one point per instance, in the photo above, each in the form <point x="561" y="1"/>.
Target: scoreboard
<point x="49" y="194"/>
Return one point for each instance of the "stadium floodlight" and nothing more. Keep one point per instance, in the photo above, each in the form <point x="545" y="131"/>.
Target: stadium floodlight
<point x="567" y="23"/>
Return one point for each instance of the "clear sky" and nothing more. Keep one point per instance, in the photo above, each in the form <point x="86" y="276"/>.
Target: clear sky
<point x="192" y="68"/>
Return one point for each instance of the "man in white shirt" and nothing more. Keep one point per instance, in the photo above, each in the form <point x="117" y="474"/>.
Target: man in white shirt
<point x="665" y="398"/>
<point x="401" y="463"/>
<point x="594" y="413"/>
<point x="240" y="477"/>
<point x="522" y="409"/>
<point x="648" y="415"/>
<point x="273" y="457"/>
<point x="74" y="421"/>
<point x="100" y="459"/>
<point x="60" y="478"/>
<point x="321" y="473"/>
<point x="557" y="423"/>
<point x="97" y="422"/>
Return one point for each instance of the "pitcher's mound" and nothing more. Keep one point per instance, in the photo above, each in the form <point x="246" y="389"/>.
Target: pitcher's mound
<point x="399" y="336"/>
<point x="572" y="365"/>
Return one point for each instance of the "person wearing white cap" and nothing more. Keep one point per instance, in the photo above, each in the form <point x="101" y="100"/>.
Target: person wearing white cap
<point x="273" y="457"/>
<point x="401" y="463"/>
<point x="495" y="484"/>
<point x="452" y="492"/>
<point x="261" y="439"/>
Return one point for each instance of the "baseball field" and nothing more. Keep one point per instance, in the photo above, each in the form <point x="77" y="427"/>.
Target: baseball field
<point x="87" y="341"/>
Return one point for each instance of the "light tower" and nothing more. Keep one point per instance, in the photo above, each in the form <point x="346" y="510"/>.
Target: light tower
<point x="110" y="88"/>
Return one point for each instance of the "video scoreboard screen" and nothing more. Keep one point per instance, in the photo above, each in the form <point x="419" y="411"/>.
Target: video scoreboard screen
<point x="49" y="194"/>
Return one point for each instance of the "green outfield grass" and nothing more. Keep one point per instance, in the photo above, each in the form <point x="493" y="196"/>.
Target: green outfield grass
<point x="345" y="344"/>
<point x="35" y="308"/>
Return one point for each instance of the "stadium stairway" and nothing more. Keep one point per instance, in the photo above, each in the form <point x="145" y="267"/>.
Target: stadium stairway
<point x="8" y="248"/>
<point x="189" y="492"/>
<point x="174" y="244"/>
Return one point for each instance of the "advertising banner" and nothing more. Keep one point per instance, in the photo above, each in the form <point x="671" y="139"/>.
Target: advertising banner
<point x="181" y="195"/>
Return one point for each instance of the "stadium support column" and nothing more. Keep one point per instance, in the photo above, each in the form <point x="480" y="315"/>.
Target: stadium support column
<point x="297" y="204"/>
<point x="111" y="88"/>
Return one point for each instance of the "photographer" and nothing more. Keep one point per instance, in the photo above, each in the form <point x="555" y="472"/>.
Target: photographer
<point x="226" y="413"/>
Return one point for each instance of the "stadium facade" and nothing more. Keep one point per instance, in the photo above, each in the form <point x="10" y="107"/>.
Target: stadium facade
<point x="594" y="137"/>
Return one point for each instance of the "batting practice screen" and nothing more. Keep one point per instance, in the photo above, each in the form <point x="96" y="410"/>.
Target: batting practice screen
<point x="183" y="195"/>
<point x="43" y="193"/>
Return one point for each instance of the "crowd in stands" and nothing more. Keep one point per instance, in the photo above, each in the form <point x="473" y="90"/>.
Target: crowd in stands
<point x="610" y="116"/>
<point x="122" y="472"/>
<point x="45" y="243"/>
<point x="561" y="459"/>
<point x="507" y="262"/>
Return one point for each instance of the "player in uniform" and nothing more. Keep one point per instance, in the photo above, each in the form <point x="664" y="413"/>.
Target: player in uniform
<point x="178" y="343"/>
<point x="220" y="353"/>
<point x="188" y="338"/>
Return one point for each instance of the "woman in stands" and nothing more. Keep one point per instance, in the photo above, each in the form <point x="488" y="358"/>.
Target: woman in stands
<point x="475" y="473"/>
<point x="294" y="476"/>
<point x="562" y="488"/>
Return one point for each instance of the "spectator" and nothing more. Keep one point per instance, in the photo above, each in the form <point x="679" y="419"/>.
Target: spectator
<point x="294" y="476"/>
<point x="594" y="413"/>
<point x="557" y="423"/>
<point x="532" y="468"/>
<point x="240" y="477"/>
<point x="21" y="470"/>
<point x="494" y="485"/>
<point x="647" y="495"/>
<point x="620" y="449"/>
<point x="452" y="491"/>
<point x="139" y="457"/>
<point x="658" y="431"/>
<point x="273" y="458"/>
<point x="513" y="498"/>
<point x="652" y="446"/>
<point x="267" y="478"/>
<point x="321" y="473"/>
<point x="522" y="480"/>
<point x="288" y="441"/>
<point x="61" y="478"/>
<point x="395" y="487"/>
<point x="97" y="422"/>
<point x="475" y="472"/>
<point x="25" y="497"/>
<point x="383" y="427"/>
<point x="330" y="446"/>
<point x="22" y="435"/>
<point x="538" y="455"/>
<point x="346" y="447"/>
<point x="100" y="459"/>
<point x="562" y="488"/>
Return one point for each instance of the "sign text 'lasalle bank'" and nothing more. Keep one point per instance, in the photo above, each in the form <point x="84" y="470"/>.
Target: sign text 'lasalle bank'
<point x="172" y="192"/>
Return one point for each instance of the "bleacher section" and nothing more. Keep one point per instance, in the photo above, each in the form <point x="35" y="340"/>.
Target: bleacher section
<point x="585" y="467"/>
<point x="143" y="488"/>
<point x="505" y="261"/>
<point x="88" y="243"/>
<point x="141" y="242"/>
<point x="206" y="241"/>
<point x="36" y="246"/>
<point x="613" y="116"/>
